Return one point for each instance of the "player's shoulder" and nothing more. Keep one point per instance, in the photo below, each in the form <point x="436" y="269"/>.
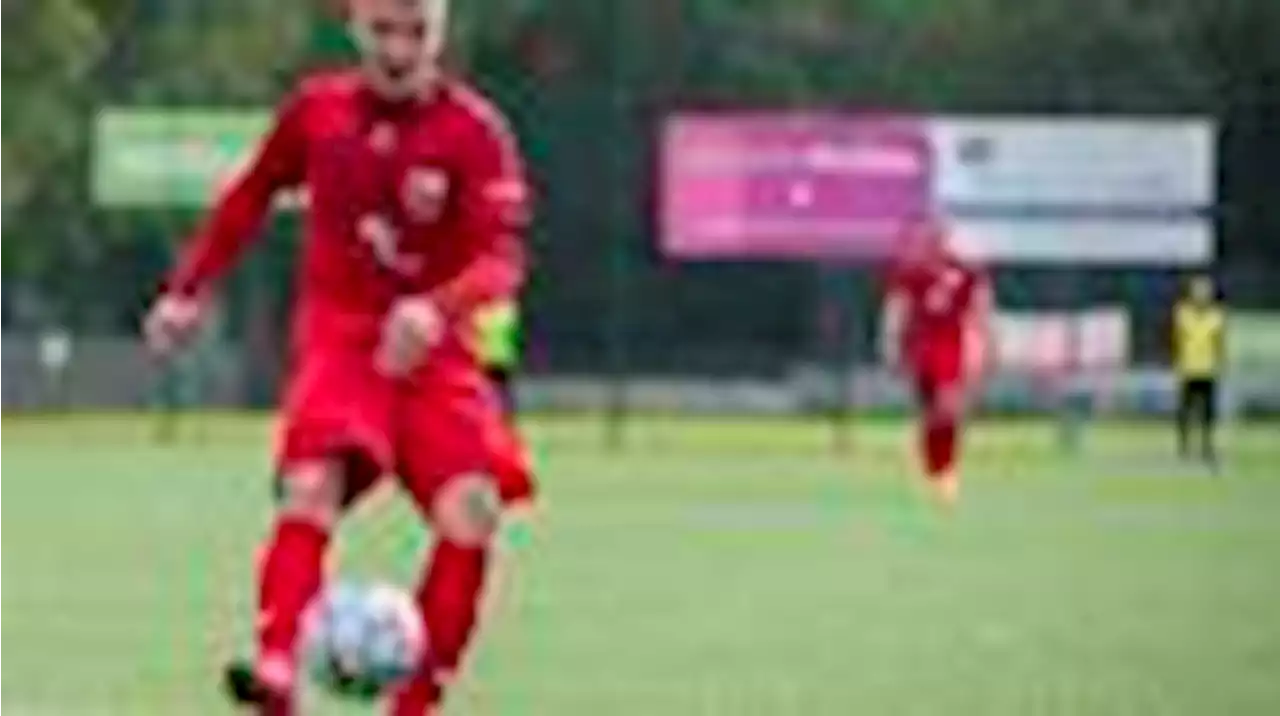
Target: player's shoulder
<point x="327" y="85"/>
<point x="902" y="275"/>
<point x="965" y="266"/>
<point x="476" y="111"/>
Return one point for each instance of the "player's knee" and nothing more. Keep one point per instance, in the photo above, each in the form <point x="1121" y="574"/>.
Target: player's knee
<point x="312" y="491"/>
<point x="467" y="509"/>
<point x="947" y="405"/>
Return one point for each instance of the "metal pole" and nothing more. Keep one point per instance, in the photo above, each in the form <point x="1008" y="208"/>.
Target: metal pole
<point x="1076" y="396"/>
<point x="838" y="316"/>
<point x="619" y="261"/>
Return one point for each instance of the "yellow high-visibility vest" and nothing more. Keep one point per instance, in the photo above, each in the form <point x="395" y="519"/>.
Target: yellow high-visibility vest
<point x="498" y="326"/>
<point x="1199" y="332"/>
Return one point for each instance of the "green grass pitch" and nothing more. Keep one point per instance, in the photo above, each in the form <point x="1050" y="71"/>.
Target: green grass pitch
<point x="729" y="567"/>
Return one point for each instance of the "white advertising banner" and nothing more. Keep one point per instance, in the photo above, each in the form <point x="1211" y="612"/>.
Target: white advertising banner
<point x="1054" y="341"/>
<point x="1096" y="242"/>
<point x="1040" y="341"/>
<point x="1075" y="162"/>
<point x="1078" y="189"/>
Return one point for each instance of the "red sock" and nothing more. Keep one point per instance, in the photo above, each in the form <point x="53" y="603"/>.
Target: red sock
<point x="939" y="446"/>
<point x="449" y="598"/>
<point x="290" y="576"/>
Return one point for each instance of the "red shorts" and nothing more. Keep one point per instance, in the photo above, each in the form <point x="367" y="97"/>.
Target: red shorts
<point x="937" y="369"/>
<point x="939" y="361"/>
<point x="427" y="430"/>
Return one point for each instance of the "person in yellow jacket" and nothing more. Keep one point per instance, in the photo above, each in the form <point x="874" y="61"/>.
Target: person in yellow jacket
<point x="498" y="329"/>
<point x="1199" y="337"/>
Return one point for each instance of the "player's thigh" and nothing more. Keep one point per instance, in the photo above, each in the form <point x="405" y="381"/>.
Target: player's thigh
<point x="939" y="394"/>
<point x="1208" y="390"/>
<point x="337" y="411"/>
<point x="950" y="399"/>
<point x="461" y="461"/>
<point x="504" y="385"/>
<point x="924" y="389"/>
<point x="1186" y="397"/>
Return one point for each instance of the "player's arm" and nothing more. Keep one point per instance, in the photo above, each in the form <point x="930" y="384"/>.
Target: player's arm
<point x="240" y="210"/>
<point x="493" y="211"/>
<point x="493" y="206"/>
<point x="897" y="304"/>
<point x="1175" y="334"/>
<point x="229" y="228"/>
<point x="1221" y="342"/>
<point x="979" y="331"/>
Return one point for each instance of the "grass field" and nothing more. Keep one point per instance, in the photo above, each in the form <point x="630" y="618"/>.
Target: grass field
<point x="729" y="567"/>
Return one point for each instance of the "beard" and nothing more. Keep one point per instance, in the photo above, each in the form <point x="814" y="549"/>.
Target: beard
<point x="396" y="83"/>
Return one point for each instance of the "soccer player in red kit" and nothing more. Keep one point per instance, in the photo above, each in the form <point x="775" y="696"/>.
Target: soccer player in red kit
<point x="415" y="203"/>
<point x="938" y="309"/>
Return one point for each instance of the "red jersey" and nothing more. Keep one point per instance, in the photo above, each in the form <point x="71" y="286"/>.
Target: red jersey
<point x="940" y="296"/>
<point x="418" y="196"/>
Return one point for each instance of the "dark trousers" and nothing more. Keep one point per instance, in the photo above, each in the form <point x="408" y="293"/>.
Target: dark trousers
<point x="503" y="381"/>
<point x="1197" y="404"/>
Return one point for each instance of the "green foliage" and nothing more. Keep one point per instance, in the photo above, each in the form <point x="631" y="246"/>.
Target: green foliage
<point x="1026" y="54"/>
<point x="46" y="64"/>
<point x="585" y="82"/>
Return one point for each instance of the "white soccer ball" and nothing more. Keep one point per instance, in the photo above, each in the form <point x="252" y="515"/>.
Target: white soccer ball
<point x="361" y="639"/>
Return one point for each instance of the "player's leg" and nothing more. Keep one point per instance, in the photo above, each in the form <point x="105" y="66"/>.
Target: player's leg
<point x="1183" y="414"/>
<point x="940" y="402"/>
<point x="334" y="444"/>
<point x="1208" y="420"/>
<point x="925" y="396"/>
<point x="466" y="468"/>
<point x="289" y="576"/>
<point x="945" y="429"/>
<point x="464" y="515"/>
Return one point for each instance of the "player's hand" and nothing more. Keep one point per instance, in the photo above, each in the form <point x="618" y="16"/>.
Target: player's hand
<point x="980" y="359"/>
<point x="981" y="369"/>
<point x="412" y="328"/>
<point x="170" y="323"/>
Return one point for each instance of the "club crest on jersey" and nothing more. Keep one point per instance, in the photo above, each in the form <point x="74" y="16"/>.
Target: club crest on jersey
<point x="423" y="194"/>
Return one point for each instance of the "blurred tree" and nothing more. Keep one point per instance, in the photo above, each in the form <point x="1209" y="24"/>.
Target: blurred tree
<point x="50" y="48"/>
<point x="585" y="82"/>
<point x="330" y="38"/>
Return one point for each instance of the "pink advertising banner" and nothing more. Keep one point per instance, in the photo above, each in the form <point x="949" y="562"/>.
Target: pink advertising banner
<point x="807" y="186"/>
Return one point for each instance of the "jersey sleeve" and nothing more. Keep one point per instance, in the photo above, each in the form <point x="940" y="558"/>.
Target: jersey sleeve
<point x="238" y="213"/>
<point x="493" y="211"/>
<point x="982" y="299"/>
<point x="897" y="280"/>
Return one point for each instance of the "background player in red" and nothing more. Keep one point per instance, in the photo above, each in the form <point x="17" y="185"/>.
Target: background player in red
<point x="416" y="197"/>
<point x="938" y="309"/>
